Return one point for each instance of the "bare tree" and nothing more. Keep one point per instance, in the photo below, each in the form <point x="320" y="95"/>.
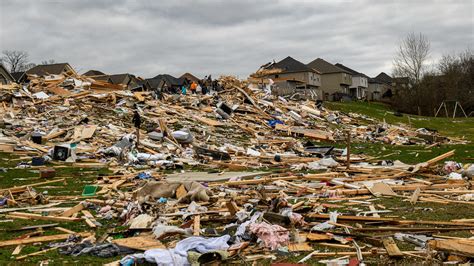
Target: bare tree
<point x="411" y="57"/>
<point x="48" y="62"/>
<point x="15" y="60"/>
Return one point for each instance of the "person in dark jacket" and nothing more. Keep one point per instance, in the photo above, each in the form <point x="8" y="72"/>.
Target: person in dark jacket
<point x="137" y="121"/>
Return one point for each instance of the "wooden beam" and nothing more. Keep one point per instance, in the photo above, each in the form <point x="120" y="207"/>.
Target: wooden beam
<point x="197" y="225"/>
<point x="34" y="216"/>
<point x="391" y="247"/>
<point x="30" y="240"/>
<point x="72" y="210"/>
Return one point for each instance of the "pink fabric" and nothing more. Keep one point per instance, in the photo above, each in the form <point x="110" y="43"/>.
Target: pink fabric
<point x="272" y="235"/>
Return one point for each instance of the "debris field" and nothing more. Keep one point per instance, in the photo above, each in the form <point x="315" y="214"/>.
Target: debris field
<point x="234" y="176"/>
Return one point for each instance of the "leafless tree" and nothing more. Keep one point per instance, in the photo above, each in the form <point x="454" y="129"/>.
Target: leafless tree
<point x="15" y="60"/>
<point x="411" y="57"/>
<point x="48" y="62"/>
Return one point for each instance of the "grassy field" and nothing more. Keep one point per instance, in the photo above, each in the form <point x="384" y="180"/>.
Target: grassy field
<point x="76" y="178"/>
<point x="462" y="128"/>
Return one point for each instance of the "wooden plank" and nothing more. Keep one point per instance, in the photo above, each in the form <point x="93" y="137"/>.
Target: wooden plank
<point x="459" y="246"/>
<point x="232" y="206"/>
<point x="139" y="242"/>
<point x="208" y="121"/>
<point x="181" y="192"/>
<point x="17" y="250"/>
<point x="64" y="230"/>
<point x="36" y="253"/>
<point x="317" y="237"/>
<point x="38" y="239"/>
<point x="89" y="218"/>
<point x="415" y="195"/>
<point x="391" y="247"/>
<point x="72" y="210"/>
<point x="197" y="225"/>
<point x="298" y="247"/>
<point x="46" y="218"/>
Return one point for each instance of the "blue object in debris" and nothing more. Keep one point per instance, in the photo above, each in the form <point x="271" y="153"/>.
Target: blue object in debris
<point x="3" y="201"/>
<point x="274" y="122"/>
<point x="143" y="175"/>
<point x="163" y="200"/>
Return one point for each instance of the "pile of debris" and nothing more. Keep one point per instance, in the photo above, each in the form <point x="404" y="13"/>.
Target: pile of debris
<point x="295" y="189"/>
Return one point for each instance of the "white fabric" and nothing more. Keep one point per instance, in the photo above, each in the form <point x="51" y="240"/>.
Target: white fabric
<point x="178" y="255"/>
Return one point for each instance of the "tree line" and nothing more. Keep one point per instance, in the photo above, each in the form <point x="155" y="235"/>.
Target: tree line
<point x="19" y="61"/>
<point x="448" y="80"/>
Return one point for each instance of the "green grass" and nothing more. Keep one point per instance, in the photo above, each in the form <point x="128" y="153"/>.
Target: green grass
<point x="76" y="178"/>
<point x="457" y="127"/>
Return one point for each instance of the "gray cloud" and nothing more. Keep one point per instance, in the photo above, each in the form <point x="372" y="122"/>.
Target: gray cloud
<point x="226" y="36"/>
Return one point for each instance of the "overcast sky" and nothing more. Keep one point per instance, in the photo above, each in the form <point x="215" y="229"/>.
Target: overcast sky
<point x="227" y="37"/>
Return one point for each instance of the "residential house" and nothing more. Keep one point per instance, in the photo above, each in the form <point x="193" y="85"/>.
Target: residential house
<point x="360" y="82"/>
<point x="5" y="76"/>
<point x="20" y="77"/>
<point x="190" y="77"/>
<point x="335" y="81"/>
<point x="92" y="73"/>
<point x="167" y="83"/>
<point x="380" y="88"/>
<point x="52" y="70"/>
<point x="291" y="76"/>
<point x="126" y="80"/>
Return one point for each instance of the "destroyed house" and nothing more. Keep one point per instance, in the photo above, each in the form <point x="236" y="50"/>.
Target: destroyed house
<point x="358" y="88"/>
<point x="5" y="76"/>
<point x="290" y="76"/>
<point x="335" y="81"/>
<point x="52" y="70"/>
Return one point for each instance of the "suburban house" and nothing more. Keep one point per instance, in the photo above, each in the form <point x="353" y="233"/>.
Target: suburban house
<point x="380" y="88"/>
<point x="126" y="80"/>
<point x="168" y="83"/>
<point x="291" y="76"/>
<point x="20" y="77"/>
<point x="360" y="82"/>
<point x="335" y="81"/>
<point x="52" y="70"/>
<point x="92" y="73"/>
<point x="5" y="76"/>
<point x="190" y="77"/>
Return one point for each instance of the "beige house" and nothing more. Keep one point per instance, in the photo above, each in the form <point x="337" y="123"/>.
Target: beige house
<point x="360" y="83"/>
<point x="334" y="80"/>
<point x="291" y="76"/>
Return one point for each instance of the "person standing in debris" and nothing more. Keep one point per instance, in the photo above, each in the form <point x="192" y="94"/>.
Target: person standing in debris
<point x="193" y="87"/>
<point x="183" y="90"/>
<point x="137" y="120"/>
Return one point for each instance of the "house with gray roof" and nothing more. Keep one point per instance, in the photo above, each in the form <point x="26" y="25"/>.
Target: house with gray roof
<point x="52" y="70"/>
<point x="335" y="81"/>
<point x="292" y="76"/>
<point x="358" y="88"/>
